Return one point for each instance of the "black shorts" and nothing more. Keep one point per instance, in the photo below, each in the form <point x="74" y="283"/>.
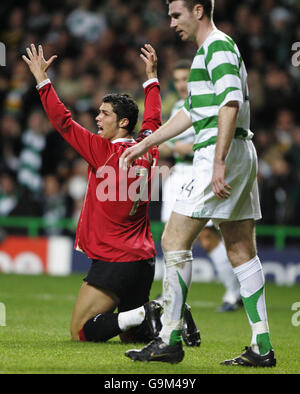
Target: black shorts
<point x="130" y="281"/>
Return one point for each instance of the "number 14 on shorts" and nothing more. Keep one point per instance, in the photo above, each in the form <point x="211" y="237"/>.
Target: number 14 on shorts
<point x="188" y="187"/>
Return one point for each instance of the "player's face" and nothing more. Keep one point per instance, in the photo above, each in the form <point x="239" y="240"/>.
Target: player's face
<point x="183" y="20"/>
<point x="107" y="121"/>
<point x="181" y="78"/>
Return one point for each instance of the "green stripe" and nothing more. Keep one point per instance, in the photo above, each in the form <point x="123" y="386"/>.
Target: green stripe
<point x="207" y="123"/>
<point x="199" y="74"/>
<point x="206" y="143"/>
<point x="184" y="290"/>
<point x="213" y="140"/>
<point x="250" y="304"/>
<point x="187" y="104"/>
<point x="204" y="100"/>
<point x="209" y="100"/>
<point x="239" y="132"/>
<point x="175" y="337"/>
<point x="264" y="343"/>
<point x="200" y="52"/>
<point x="221" y="97"/>
<point x="218" y="46"/>
<point x="222" y="70"/>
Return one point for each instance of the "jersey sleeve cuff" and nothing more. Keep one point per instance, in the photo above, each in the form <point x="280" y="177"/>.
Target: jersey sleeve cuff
<point x="147" y="83"/>
<point x="43" y="83"/>
<point x="186" y="111"/>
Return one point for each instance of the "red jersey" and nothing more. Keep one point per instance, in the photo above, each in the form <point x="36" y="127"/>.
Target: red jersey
<point x="116" y="229"/>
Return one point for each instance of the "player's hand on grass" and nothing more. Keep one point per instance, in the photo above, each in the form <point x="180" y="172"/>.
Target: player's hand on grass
<point x="219" y="186"/>
<point x="37" y="63"/>
<point x="150" y="58"/>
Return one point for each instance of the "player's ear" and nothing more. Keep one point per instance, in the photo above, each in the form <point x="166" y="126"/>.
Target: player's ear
<point x="123" y="123"/>
<point x="198" y="11"/>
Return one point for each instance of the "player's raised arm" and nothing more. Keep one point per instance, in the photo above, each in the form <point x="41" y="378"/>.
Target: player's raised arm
<point x="152" y="107"/>
<point x="83" y="141"/>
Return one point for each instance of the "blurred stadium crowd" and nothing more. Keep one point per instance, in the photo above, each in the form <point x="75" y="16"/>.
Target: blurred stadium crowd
<point x="98" y="44"/>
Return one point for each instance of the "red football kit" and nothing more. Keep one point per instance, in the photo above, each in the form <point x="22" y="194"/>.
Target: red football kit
<point x="114" y="224"/>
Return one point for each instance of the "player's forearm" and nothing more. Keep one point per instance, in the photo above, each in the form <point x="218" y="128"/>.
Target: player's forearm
<point x="40" y="76"/>
<point x="152" y="108"/>
<point x="226" y="129"/>
<point x="174" y="126"/>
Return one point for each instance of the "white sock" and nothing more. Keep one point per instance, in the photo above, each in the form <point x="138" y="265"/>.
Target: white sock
<point x="252" y="281"/>
<point x="225" y="273"/>
<point x="178" y="276"/>
<point x="133" y="318"/>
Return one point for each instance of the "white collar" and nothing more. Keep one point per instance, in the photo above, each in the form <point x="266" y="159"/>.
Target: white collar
<point x="130" y="140"/>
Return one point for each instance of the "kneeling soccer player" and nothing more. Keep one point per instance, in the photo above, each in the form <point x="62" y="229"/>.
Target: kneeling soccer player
<point x="114" y="233"/>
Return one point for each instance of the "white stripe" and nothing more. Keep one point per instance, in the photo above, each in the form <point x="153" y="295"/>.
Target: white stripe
<point x="260" y="327"/>
<point x="205" y="112"/>
<point x="221" y="57"/>
<point x="233" y="96"/>
<point x="129" y="140"/>
<point x="59" y="256"/>
<point x="214" y="35"/>
<point x="201" y="87"/>
<point x="199" y="62"/>
<point x="147" y="83"/>
<point x="43" y="83"/>
<point x="206" y="134"/>
<point x="228" y="81"/>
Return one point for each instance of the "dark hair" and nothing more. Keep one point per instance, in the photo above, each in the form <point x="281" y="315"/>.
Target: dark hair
<point x="208" y="5"/>
<point x="183" y="64"/>
<point x="124" y="107"/>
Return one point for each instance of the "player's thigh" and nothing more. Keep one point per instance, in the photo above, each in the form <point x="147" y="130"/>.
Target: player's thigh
<point x="239" y="239"/>
<point x="90" y="302"/>
<point x="180" y="232"/>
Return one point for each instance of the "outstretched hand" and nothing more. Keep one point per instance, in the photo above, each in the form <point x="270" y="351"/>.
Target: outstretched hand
<point x="150" y="58"/>
<point x="37" y="63"/>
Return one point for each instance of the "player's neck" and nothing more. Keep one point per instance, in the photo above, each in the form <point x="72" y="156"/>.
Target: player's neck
<point x="121" y="134"/>
<point x="206" y="27"/>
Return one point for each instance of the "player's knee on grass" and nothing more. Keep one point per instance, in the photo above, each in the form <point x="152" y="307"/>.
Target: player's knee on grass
<point x="100" y="328"/>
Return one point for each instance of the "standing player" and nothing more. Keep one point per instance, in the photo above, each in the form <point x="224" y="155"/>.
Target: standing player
<point x="224" y="186"/>
<point x="114" y="232"/>
<point x="181" y="147"/>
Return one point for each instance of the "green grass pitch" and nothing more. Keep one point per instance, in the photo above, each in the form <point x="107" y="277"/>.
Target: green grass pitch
<point x="36" y="337"/>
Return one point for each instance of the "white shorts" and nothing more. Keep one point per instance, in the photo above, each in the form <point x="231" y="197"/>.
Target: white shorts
<point x="181" y="174"/>
<point x="199" y="201"/>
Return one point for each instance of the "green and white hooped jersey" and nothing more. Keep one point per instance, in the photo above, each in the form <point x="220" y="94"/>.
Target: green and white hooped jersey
<point x="218" y="75"/>
<point x="188" y="136"/>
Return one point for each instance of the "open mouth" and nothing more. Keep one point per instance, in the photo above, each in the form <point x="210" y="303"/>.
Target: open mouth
<point x="100" y="129"/>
